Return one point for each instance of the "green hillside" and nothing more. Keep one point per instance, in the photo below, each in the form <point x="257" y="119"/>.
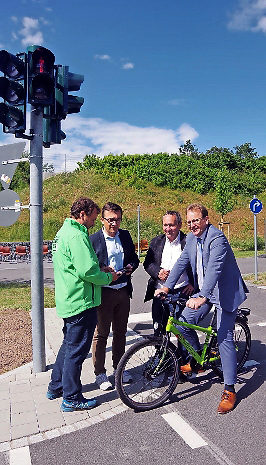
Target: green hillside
<point x="61" y="190"/>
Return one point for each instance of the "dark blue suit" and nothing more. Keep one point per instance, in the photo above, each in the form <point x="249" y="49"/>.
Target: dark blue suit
<point x="115" y="306"/>
<point x="223" y="286"/>
<point x="130" y="256"/>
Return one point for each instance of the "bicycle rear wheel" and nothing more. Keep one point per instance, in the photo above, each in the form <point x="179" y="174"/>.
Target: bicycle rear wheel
<point x="155" y="374"/>
<point x="242" y="339"/>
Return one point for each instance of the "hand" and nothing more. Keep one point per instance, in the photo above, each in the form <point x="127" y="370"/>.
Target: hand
<point x="107" y="269"/>
<point x="163" y="290"/>
<point x="115" y="275"/>
<point x="196" y="302"/>
<point x="129" y="269"/>
<point x="188" y="290"/>
<point x="163" y="274"/>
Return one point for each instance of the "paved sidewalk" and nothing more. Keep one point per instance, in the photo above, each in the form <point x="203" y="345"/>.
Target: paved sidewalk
<point x="27" y="416"/>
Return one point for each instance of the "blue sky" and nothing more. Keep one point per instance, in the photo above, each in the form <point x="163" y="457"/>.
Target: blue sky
<point x="157" y="72"/>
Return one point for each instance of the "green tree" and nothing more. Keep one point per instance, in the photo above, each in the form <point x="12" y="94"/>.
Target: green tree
<point x="224" y="202"/>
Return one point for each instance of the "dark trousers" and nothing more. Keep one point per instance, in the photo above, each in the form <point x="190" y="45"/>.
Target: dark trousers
<point x="114" y="310"/>
<point x="161" y="312"/>
<point x="78" y="332"/>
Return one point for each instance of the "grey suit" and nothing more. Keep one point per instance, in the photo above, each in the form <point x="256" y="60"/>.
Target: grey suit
<point x="223" y="286"/>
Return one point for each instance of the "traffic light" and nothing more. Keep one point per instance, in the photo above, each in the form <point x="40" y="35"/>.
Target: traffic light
<point x="40" y="76"/>
<point x="52" y="133"/>
<point x="13" y="89"/>
<point x="66" y="81"/>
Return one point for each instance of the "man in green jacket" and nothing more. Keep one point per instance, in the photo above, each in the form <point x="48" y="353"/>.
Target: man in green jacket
<point x="78" y="281"/>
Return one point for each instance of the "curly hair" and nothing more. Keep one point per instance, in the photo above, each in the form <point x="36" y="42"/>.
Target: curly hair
<point x="83" y="204"/>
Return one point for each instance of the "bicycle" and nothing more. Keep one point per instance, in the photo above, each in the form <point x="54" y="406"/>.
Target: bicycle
<point x="154" y="362"/>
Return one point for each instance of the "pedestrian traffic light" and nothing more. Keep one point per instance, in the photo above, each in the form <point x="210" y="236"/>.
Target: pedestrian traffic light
<point x="40" y="76"/>
<point x="52" y="133"/>
<point x="13" y="89"/>
<point x="66" y="81"/>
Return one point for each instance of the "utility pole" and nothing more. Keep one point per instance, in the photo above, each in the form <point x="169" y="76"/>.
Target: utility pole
<point x="36" y="240"/>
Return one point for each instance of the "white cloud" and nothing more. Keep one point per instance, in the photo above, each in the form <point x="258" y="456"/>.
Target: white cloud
<point x="30" y="32"/>
<point x="102" y="57"/>
<point x="95" y="135"/>
<point x="250" y="16"/>
<point x="175" y="102"/>
<point x="128" y="65"/>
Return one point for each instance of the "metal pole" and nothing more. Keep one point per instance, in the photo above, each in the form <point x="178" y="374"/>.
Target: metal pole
<point x="138" y="210"/>
<point x="264" y="235"/>
<point x="36" y="241"/>
<point x="255" y="247"/>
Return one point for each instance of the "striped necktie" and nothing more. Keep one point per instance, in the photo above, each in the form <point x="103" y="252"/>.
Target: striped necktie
<point x="199" y="263"/>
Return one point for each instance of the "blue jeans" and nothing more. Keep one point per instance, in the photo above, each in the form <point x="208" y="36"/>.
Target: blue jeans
<point x="225" y="338"/>
<point x="78" y="332"/>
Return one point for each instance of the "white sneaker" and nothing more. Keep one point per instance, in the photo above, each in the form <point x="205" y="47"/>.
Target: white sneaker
<point x="127" y="378"/>
<point x="103" y="382"/>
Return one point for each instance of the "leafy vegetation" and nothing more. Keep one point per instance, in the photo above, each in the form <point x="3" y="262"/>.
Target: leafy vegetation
<point x="188" y="169"/>
<point x="154" y="183"/>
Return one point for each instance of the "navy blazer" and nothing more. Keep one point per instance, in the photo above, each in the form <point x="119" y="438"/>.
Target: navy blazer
<point x="152" y="262"/>
<point x="130" y="256"/>
<point x="223" y="285"/>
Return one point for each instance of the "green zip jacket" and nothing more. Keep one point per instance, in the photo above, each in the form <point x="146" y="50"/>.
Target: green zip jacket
<point x="77" y="275"/>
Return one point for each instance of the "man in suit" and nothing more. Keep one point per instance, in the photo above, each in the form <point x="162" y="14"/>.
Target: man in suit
<point x="115" y="250"/>
<point x="217" y="281"/>
<point x="162" y="254"/>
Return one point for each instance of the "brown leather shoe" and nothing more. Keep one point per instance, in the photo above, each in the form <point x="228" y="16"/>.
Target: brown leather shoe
<point x="227" y="402"/>
<point x="186" y="369"/>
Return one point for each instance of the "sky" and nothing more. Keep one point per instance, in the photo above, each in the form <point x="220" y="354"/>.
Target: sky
<point x="156" y="72"/>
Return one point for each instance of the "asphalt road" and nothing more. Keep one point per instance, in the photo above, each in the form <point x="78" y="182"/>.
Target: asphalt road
<point x="198" y="435"/>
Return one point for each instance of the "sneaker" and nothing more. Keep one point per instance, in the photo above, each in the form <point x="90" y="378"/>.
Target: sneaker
<point x="103" y="382"/>
<point x="51" y="395"/>
<point x="71" y="406"/>
<point x="127" y="378"/>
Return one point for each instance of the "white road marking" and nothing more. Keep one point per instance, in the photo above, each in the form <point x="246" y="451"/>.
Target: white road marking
<point x="20" y="456"/>
<point x="139" y="317"/>
<point x="193" y="439"/>
<point x="263" y="323"/>
<point x="251" y="363"/>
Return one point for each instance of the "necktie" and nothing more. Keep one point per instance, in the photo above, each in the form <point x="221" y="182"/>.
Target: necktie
<point x="199" y="263"/>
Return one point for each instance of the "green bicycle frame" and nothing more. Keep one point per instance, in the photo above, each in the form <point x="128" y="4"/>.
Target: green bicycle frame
<point x="172" y="327"/>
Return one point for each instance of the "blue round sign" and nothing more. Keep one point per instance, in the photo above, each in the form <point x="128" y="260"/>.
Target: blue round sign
<point x="255" y="206"/>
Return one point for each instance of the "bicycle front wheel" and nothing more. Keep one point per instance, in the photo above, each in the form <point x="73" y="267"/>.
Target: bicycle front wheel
<point x="242" y="339"/>
<point x="154" y="373"/>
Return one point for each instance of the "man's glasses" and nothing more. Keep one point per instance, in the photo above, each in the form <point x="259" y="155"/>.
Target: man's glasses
<point x="194" y="221"/>
<point x="113" y="220"/>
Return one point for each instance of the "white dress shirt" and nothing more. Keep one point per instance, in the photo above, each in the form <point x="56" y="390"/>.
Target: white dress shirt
<point x="171" y="253"/>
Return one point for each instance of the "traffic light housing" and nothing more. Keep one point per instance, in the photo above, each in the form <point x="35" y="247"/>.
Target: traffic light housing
<point x="13" y="89"/>
<point x="66" y="81"/>
<point x="40" y="76"/>
<point x="52" y="133"/>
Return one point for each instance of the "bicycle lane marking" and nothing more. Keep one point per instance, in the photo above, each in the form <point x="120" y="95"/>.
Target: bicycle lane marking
<point x="184" y="430"/>
<point x="193" y="439"/>
<point x="20" y="456"/>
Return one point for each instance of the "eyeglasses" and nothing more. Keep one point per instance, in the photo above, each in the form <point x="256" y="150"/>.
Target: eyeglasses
<point x="194" y="221"/>
<point x="113" y="220"/>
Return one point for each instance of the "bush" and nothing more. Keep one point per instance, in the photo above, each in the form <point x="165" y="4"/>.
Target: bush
<point x="248" y="243"/>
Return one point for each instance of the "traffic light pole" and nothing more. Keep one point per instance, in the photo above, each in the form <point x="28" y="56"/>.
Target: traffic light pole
<point x="36" y="240"/>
